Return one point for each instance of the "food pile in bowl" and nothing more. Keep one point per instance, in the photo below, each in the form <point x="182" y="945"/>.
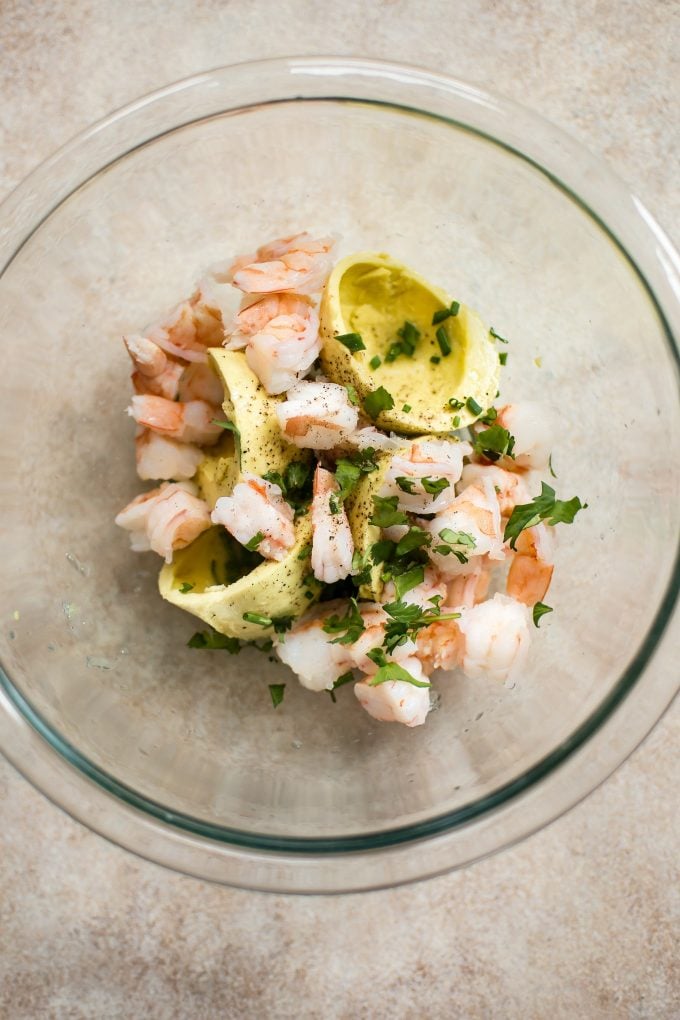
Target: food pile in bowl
<point x="337" y="486"/>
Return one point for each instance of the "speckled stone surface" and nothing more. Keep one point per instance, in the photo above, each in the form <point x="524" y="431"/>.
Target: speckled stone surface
<point x="581" y="920"/>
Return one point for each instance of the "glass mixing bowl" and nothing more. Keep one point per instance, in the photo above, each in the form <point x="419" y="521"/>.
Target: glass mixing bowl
<point x="178" y="754"/>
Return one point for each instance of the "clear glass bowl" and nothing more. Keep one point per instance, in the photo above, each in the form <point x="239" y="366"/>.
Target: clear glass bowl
<point x="178" y="754"/>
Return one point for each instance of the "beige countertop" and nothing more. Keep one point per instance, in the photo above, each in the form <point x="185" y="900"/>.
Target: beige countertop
<point x="581" y="920"/>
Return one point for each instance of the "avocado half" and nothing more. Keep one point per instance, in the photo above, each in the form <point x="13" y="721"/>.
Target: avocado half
<point x="371" y="294"/>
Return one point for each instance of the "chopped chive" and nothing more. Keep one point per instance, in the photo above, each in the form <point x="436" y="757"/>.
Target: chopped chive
<point x="374" y="362"/>
<point x="258" y="618"/>
<point x="185" y="587"/>
<point x="352" y="341"/>
<point x="304" y="552"/>
<point x="445" y="313"/>
<point x="497" y="336"/>
<point x="254" y="542"/>
<point x="443" y="341"/>
<point x="277" y="691"/>
<point x="406" y="408"/>
<point x="226" y="425"/>
<point x="473" y="406"/>
<point x="550" y="467"/>
<point x="435" y="359"/>
<point x="456" y="421"/>
<point x="455" y="404"/>
<point x="503" y="357"/>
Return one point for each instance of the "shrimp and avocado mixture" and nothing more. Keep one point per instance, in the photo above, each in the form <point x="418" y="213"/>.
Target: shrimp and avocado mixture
<point x="337" y="486"/>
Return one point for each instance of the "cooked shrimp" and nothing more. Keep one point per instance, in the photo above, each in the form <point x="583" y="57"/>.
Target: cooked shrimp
<point x="475" y="513"/>
<point x="188" y="330"/>
<point x="368" y="437"/>
<point x="317" y="415"/>
<point x="285" y="350"/>
<point x="165" y="519"/>
<point x="254" y="317"/>
<point x="510" y="486"/>
<point x="310" y="653"/>
<point x="154" y="371"/>
<point x="332" y="545"/>
<point x="299" y="263"/>
<point x="468" y="589"/>
<point x="257" y="507"/>
<point x="490" y="639"/>
<point x="187" y="423"/>
<point x="199" y="382"/>
<point x="532" y="567"/>
<point x="432" y="586"/>
<point x="531" y="426"/>
<point x="435" y="460"/>
<point x="397" y="700"/>
<point x="159" y="457"/>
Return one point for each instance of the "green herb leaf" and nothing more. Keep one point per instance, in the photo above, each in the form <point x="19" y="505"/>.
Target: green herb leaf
<point x="385" y="512"/>
<point x="539" y="610"/>
<point x="489" y="417"/>
<point x="352" y="395"/>
<point x="349" y="627"/>
<point x="415" y="538"/>
<point x="374" y="362"/>
<point x="473" y="406"/>
<point x="297" y="475"/>
<point x="345" y="678"/>
<point x="383" y="551"/>
<point x="259" y="619"/>
<point x="403" y="583"/>
<point x="434" y="486"/>
<point x="347" y="474"/>
<point x="542" y="508"/>
<point x="212" y="640"/>
<point x="494" y="443"/>
<point x="497" y="336"/>
<point x="229" y="425"/>
<point x="277" y="691"/>
<point x="443" y="341"/>
<point x="377" y="655"/>
<point x="379" y="400"/>
<point x="361" y="568"/>
<point x="352" y="341"/>
<point x="185" y="587"/>
<point x="406" y="484"/>
<point x="458" y="538"/>
<point x="503" y="357"/>
<point x="393" y="671"/>
<point x="254" y="542"/>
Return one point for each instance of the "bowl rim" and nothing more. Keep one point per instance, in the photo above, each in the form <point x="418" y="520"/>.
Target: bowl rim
<point x="258" y="860"/>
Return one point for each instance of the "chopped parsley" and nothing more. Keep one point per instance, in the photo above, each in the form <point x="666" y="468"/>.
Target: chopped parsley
<point x="345" y="678"/>
<point x="229" y="425"/>
<point x="494" y="443"/>
<point x="489" y="417"/>
<point x="185" y="586"/>
<point x="434" y="486"/>
<point x="361" y="568"/>
<point x="415" y="538"/>
<point x="375" y="361"/>
<point x="497" y="336"/>
<point x="406" y="620"/>
<point x="443" y="341"/>
<point x="352" y="395"/>
<point x="295" y="484"/>
<point x="277" y="691"/>
<point x="473" y="406"/>
<point x="378" y="401"/>
<point x="352" y="341"/>
<point x="213" y="640"/>
<point x="403" y="583"/>
<point x="253" y="543"/>
<point x="347" y="474"/>
<point x="349" y="627"/>
<point x="452" y="542"/>
<point x="393" y="671"/>
<point x="385" y="512"/>
<point x="503" y="357"/>
<point x="542" y="508"/>
<point x="539" y="610"/>
<point x="406" y="484"/>
<point x="445" y="313"/>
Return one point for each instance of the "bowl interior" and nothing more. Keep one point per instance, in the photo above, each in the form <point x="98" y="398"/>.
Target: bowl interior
<point x="85" y="636"/>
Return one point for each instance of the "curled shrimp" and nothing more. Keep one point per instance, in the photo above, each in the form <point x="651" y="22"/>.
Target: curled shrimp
<point x="531" y="425"/>
<point x="165" y="519"/>
<point x="188" y="330"/>
<point x="161" y="458"/>
<point x="257" y="507"/>
<point x="332" y="545"/>
<point x="254" y="317"/>
<point x="199" y="382"/>
<point x="155" y="372"/>
<point x="187" y="423"/>
<point x="397" y="700"/>
<point x="510" y="486"/>
<point x="475" y="514"/>
<point x="436" y="460"/>
<point x="466" y="590"/>
<point x="531" y="568"/>
<point x="299" y="263"/>
<point x="490" y="639"/>
<point x="317" y="415"/>
<point x="311" y="653"/>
